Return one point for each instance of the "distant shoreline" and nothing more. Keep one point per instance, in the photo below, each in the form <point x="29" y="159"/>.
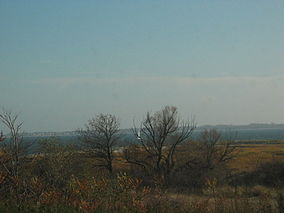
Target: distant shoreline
<point x="221" y="127"/>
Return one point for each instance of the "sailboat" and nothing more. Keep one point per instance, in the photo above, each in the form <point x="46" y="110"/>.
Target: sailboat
<point x="139" y="135"/>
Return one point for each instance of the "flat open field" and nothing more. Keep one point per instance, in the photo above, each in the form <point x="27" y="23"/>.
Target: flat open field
<point x="251" y="154"/>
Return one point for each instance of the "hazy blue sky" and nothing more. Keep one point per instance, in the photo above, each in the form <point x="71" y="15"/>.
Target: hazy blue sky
<point x="62" y="62"/>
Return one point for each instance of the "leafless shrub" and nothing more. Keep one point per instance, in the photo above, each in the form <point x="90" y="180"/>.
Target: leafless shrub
<point x="99" y="138"/>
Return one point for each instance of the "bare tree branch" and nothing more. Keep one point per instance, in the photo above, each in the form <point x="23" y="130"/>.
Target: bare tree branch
<point x="99" y="138"/>
<point x="159" y="136"/>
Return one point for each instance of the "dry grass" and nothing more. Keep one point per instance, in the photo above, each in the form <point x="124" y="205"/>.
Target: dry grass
<point x="123" y="193"/>
<point x="251" y="155"/>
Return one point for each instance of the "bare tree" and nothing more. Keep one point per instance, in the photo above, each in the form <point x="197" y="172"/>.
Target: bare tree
<point x="215" y="150"/>
<point x="209" y="152"/>
<point x="99" y="138"/>
<point x="158" y="137"/>
<point x="13" y="147"/>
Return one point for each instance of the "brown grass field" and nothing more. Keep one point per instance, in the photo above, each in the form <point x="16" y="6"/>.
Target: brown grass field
<point x="251" y="154"/>
<point x="90" y="190"/>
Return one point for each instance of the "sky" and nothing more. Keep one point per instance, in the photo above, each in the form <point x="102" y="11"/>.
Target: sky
<point x="63" y="62"/>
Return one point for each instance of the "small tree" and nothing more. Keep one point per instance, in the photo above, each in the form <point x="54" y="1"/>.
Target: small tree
<point x="12" y="158"/>
<point x="158" y="138"/>
<point x="214" y="149"/>
<point x="99" y="138"/>
<point x="13" y="147"/>
<point x="205" y="158"/>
